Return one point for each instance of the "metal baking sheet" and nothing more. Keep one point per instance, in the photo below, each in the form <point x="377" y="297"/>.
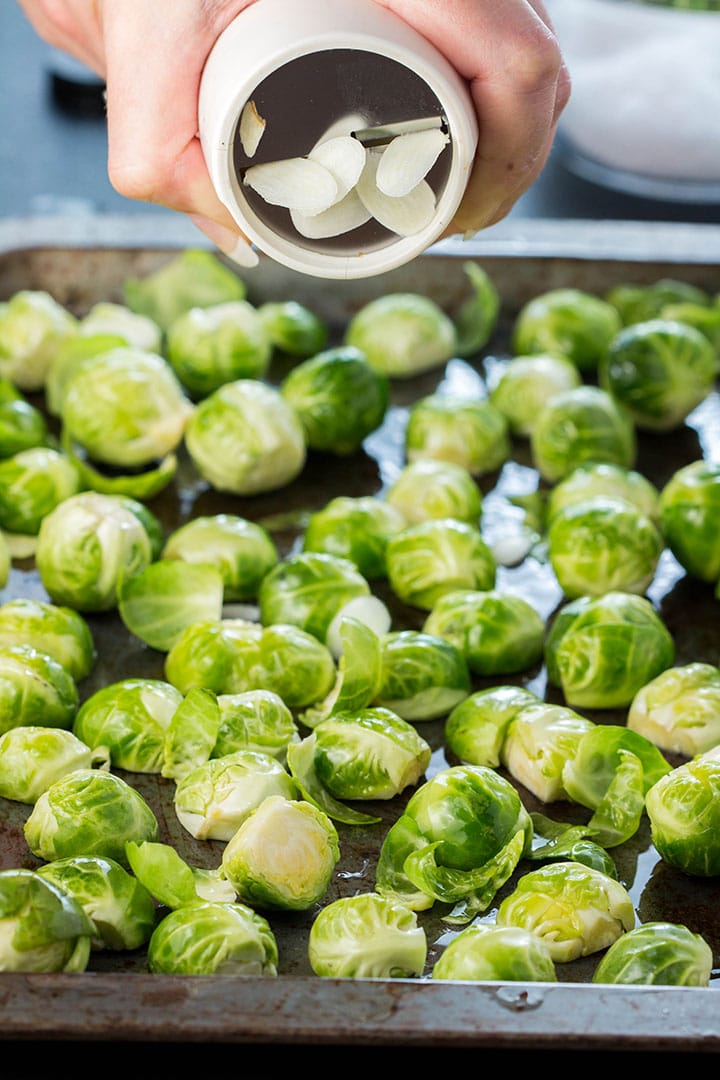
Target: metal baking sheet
<point x="81" y="261"/>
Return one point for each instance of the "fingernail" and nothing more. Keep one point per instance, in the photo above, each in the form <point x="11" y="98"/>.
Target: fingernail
<point x="232" y="244"/>
<point x="243" y="254"/>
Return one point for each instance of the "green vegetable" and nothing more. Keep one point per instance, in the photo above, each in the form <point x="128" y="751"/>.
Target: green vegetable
<point x="32" y="483"/>
<point x="43" y="929"/>
<point x="684" y="812"/>
<point x="255" y="720"/>
<point x="192" y="278"/>
<point x="210" y="346"/>
<point x="690" y="518"/>
<point x="402" y="334"/>
<point x="292" y="328"/>
<point x="423" y="676"/>
<point x="61" y="632"/>
<point x="308" y="589"/>
<point x="466" y="431"/>
<point x="167" y="597"/>
<point x="477" y="316"/>
<point x="657" y="954"/>
<point x="241" y="550"/>
<point x="570" y="322"/>
<point x="33" y="325"/>
<point x="605" y="479"/>
<point x="213" y="938"/>
<point x="35" y="689"/>
<point x="679" y="710"/>
<point x="585" y="425"/>
<point x="427" y="489"/>
<point x="498" y="633"/>
<point x="34" y="757"/>
<point x="355" y="528"/>
<point x="526" y="383"/>
<point x="539" y="741"/>
<point x="435" y="557"/>
<point x="486" y="953"/>
<point x="638" y="303"/>
<point x="367" y="936"/>
<point x="476" y="728"/>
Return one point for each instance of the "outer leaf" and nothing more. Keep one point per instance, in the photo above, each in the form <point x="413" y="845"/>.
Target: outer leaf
<point x="192" y="733"/>
<point x="301" y="763"/>
<point x="159" y="603"/>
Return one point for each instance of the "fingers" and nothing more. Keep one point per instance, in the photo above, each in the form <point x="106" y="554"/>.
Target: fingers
<point x="70" y="25"/>
<point x="508" y="53"/>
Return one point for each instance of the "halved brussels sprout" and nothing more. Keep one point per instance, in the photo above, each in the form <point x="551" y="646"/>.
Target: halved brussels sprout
<point x="283" y="855"/>
<point x="526" y="383"/>
<point x="659" y="370"/>
<point x="600" y="544"/>
<point x="475" y="729"/>
<point x="213" y="800"/>
<point x="129" y="718"/>
<point x="679" y="710"/>
<point x="471" y="432"/>
<point x="89" y="812"/>
<point x="61" y="632"/>
<point x="487" y="953"/>
<point x="367" y="936"/>
<point x="86" y="546"/>
<point x="213" y="938"/>
<point x="657" y="954"/>
<point x="540" y="739"/>
<point x="581" y="426"/>
<point x="573" y="908"/>
<point x="423" y="676"/>
<point x="255" y="720"/>
<point x="293" y="328"/>
<point x="32" y="483"/>
<point x="402" y="334"/>
<point x="435" y="557"/>
<point x="35" y="689"/>
<point x="209" y="346"/>
<point x="125" y="408"/>
<point x="690" y="518"/>
<point x="498" y="633"/>
<point x="355" y="528"/>
<point x="243" y="551"/>
<point x="684" y="812"/>
<point x="192" y="278"/>
<point x="570" y="322"/>
<point x="339" y="397"/>
<point x="245" y="439"/>
<point x="588" y="773"/>
<point x="33" y="757"/>
<point x="121" y="908"/>
<point x="426" y="489"/>
<point x="33" y="324"/>
<point x="42" y="928"/>
<point x="601" y="650"/>
<point x="608" y="480"/>
<point x="307" y="589"/>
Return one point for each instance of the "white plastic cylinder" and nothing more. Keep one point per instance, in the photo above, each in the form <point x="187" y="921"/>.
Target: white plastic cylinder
<point x="339" y="41"/>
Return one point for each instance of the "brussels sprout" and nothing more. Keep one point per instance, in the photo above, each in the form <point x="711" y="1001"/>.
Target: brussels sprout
<point x="464" y="819"/>
<point x="569" y="322"/>
<point x="210" y="346"/>
<point x="704" y="319"/>
<point x="659" y="371"/>
<point x="587" y="774"/>
<point x="70" y="357"/>
<point x="283" y="855"/>
<point x="679" y="710"/>
<point x="539" y="740"/>
<point x="477" y="316"/>
<point x="402" y="334"/>
<point x="423" y="676"/>
<point x="112" y="319"/>
<point x="231" y="656"/>
<point x="355" y="528"/>
<point x="89" y="812"/>
<point x="684" y="812"/>
<point x="486" y="953"/>
<point x="32" y="483"/>
<point x="638" y="303"/>
<point x="690" y="518"/>
<point x="308" y="589"/>
<point x="129" y="718"/>
<point x="33" y="757"/>
<point x="86" y="546"/>
<point x="367" y="936"/>
<point x="212" y="801"/>
<point x="292" y="328"/>
<point x="612" y="481"/>
<point x="575" y="910"/>
<point x="601" y="544"/>
<point x="193" y="278"/>
<point x="149" y="521"/>
<point x="255" y="720"/>
<point x="242" y="551"/>
<point x="470" y="432"/>
<point x="121" y="908"/>
<point x="475" y="729"/>
<point x="601" y="649"/>
<point x="581" y="426"/>
<point x="212" y="938"/>
<point x="61" y="632"/>
<point x="160" y="602"/>
<point x="245" y="439"/>
<point x="526" y="383"/>
<point x="22" y="427"/>
<point x="426" y="489"/>
<point x="497" y="632"/>
<point x="32" y="327"/>
<point x="657" y="954"/>
<point x="42" y="928"/>
<point x="35" y="689"/>
<point x="435" y="557"/>
<point x="339" y="397"/>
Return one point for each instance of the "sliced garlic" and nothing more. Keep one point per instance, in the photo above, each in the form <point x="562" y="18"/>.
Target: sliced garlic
<point x="295" y="183"/>
<point x="405" y="215"/>
<point x="350" y="213"/>
<point x="408" y="159"/>
<point x="252" y="128"/>
<point x="342" y="156"/>
<point x="369" y="610"/>
<point x="344" y="125"/>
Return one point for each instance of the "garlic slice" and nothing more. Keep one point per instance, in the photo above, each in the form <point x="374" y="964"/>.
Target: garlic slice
<point x="295" y="183"/>
<point x="252" y="128"/>
<point x="342" y="156"/>
<point x="408" y="159"/>
<point x="339" y="218"/>
<point x="405" y="215"/>
<point x="344" y="125"/>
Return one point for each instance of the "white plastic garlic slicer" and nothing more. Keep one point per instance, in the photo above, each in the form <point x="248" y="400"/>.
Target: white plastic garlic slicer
<point x="340" y="139"/>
